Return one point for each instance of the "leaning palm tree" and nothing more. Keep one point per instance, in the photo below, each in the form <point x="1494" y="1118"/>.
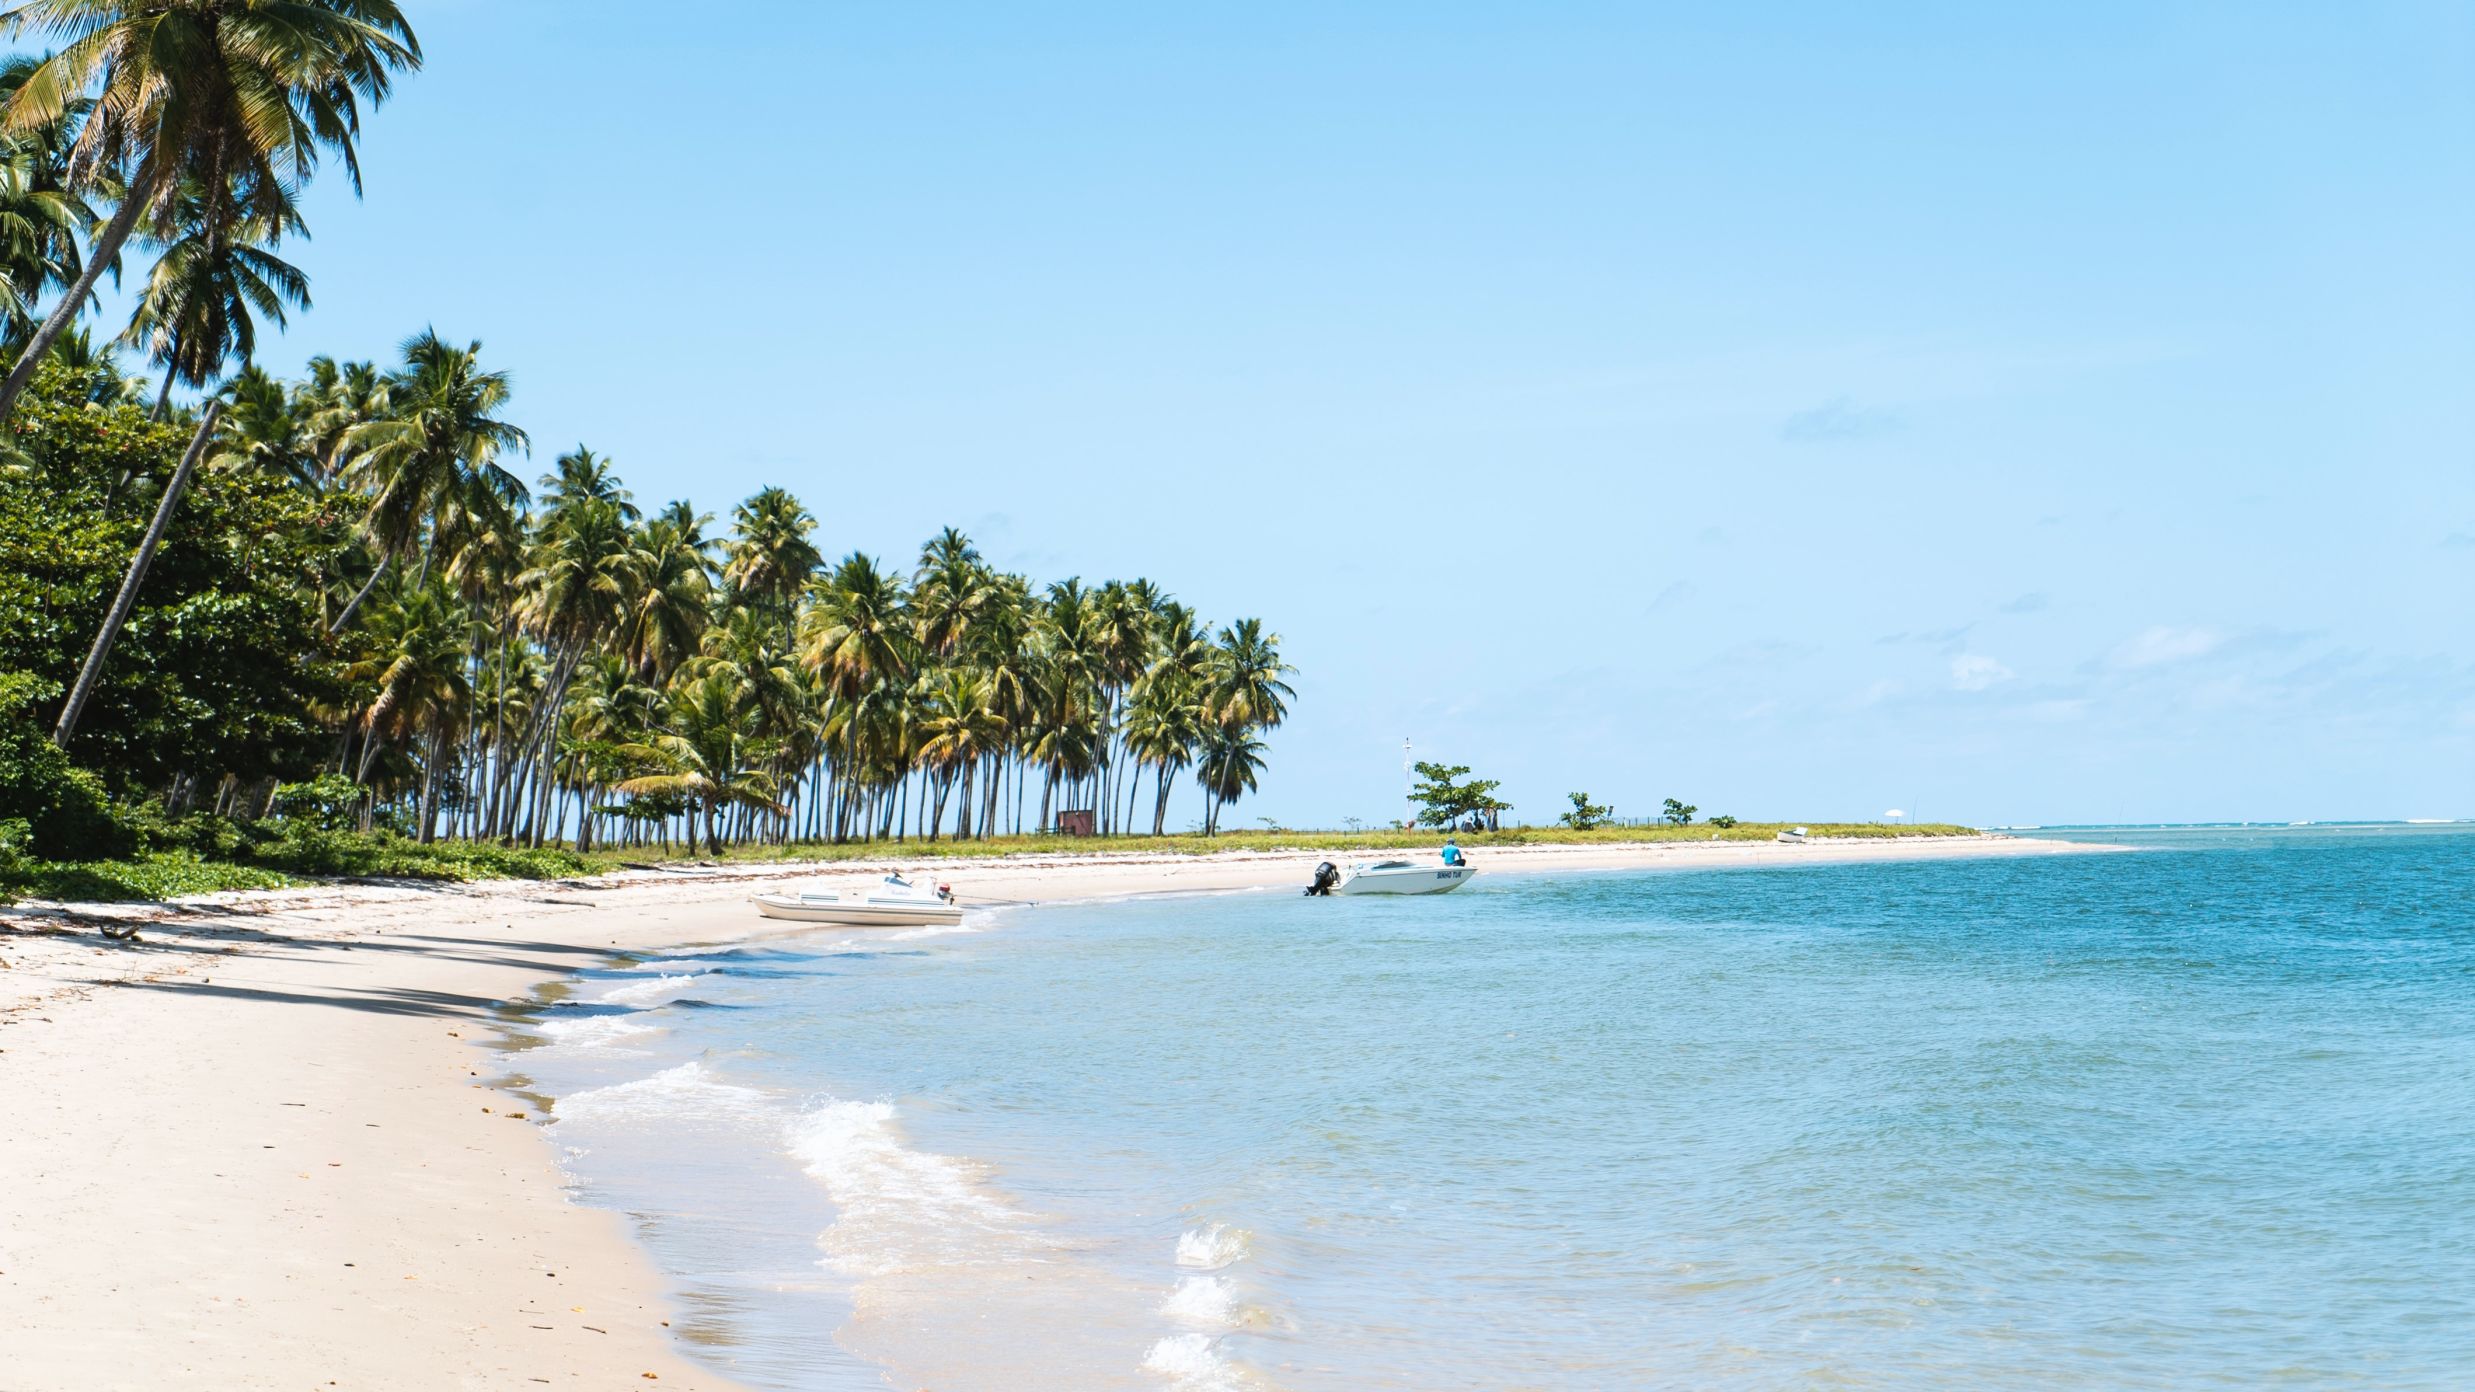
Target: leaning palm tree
<point x="437" y="447"/>
<point x="242" y="96"/>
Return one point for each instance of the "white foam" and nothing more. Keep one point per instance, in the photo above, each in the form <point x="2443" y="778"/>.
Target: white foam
<point x="1207" y="1301"/>
<point x="592" y="1033"/>
<point x="1212" y="1246"/>
<point x="647" y="991"/>
<point x="902" y="1209"/>
<point x="932" y="930"/>
<point x="1192" y="1363"/>
<point x="686" y="1093"/>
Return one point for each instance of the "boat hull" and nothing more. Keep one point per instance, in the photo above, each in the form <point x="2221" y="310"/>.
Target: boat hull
<point x="858" y="915"/>
<point x="1421" y="879"/>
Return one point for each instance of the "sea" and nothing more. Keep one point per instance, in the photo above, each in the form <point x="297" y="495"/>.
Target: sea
<point x="2200" y="1114"/>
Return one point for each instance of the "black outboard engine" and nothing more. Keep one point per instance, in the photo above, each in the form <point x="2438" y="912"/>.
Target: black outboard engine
<point x="1326" y="876"/>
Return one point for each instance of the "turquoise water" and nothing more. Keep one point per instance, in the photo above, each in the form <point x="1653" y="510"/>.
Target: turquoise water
<point x="2198" y="1116"/>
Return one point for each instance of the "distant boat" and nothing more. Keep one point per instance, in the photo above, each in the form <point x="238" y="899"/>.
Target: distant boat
<point x="894" y="902"/>
<point x="1794" y="836"/>
<point x="1401" y="877"/>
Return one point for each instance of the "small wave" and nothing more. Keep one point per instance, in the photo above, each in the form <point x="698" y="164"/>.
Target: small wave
<point x="1193" y="1363"/>
<point x="933" y="930"/>
<point x="647" y="991"/>
<point x="902" y="1209"/>
<point x="686" y="1093"/>
<point x="583" y="1033"/>
<point x="1212" y="1246"/>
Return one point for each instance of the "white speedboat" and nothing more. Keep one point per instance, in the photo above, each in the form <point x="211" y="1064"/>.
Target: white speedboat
<point x="893" y="902"/>
<point x="1402" y="877"/>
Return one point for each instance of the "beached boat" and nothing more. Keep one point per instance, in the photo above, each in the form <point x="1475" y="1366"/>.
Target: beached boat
<point x="1402" y="877"/>
<point x="893" y="902"/>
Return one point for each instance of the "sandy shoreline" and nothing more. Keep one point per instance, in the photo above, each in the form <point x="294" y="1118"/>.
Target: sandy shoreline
<point x="261" y="1145"/>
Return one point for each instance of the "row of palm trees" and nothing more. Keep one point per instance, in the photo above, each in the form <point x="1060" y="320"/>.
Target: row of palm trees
<point x="514" y="667"/>
<point x="569" y="668"/>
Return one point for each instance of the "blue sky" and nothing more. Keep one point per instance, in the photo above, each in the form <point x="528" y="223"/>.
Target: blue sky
<point x="1802" y="410"/>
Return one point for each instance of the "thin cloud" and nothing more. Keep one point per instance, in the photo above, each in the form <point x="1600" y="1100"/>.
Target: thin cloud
<point x="1835" y="420"/>
<point x="2157" y="646"/>
<point x="1976" y="672"/>
<point x="2026" y="604"/>
<point x="2458" y="541"/>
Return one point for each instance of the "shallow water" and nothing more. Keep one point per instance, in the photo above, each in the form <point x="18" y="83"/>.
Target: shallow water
<point x="2201" y="1116"/>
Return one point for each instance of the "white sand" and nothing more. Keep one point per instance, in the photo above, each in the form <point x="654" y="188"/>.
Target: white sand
<point x="258" y="1148"/>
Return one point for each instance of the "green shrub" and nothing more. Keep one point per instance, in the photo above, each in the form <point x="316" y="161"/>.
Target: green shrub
<point x="66" y="814"/>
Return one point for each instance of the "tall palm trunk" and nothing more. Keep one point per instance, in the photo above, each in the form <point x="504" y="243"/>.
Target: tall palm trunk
<point x="75" y="706"/>
<point x="104" y="252"/>
<point x="163" y="398"/>
<point x="429" y="785"/>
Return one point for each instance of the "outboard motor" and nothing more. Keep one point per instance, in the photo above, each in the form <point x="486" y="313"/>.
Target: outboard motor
<point x="1326" y="876"/>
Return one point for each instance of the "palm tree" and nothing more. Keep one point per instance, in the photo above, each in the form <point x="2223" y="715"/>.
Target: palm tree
<point x="412" y="661"/>
<point x="1231" y="760"/>
<point x="771" y="558"/>
<point x="436" y="447"/>
<point x="1164" y="723"/>
<point x="38" y="240"/>
<point x="195" y="312"/>
<point x="672" y="600"/>
<point x="958" y="733"/>
<point x="263" y="431"/>
<point x="584" y="474"/>
<point x="713" y="754"/>
<point x="98" y="367"/>
<point x="336" y="400"/>
<point x="1245" y="690"/>
<point x="857" y="634"/>
<point x="241" y="98"/>
<point x="574" y="593"/>
<point x="949" y="591"/>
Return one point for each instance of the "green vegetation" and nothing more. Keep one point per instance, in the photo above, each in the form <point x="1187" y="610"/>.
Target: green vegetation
<point x="1586" y="815"/>
<point x="1448" y="797"/>
<point x="273" y="628"/>
<point x="1677" y="813"/>
<point x="273" y="853"/>
<point x="322" y="628"/>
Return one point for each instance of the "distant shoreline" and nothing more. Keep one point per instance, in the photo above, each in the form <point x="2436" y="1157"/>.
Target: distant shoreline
<point x="301" y="1167"/>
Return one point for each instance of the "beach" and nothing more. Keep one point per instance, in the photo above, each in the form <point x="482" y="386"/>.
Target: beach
<point x="265" y="1144"/>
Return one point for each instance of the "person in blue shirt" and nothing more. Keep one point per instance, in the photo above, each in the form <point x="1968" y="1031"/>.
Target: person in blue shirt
<point x="1452" y="852"/>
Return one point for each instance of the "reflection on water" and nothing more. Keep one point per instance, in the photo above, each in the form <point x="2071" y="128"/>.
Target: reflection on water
<point x="2195" y="1117"/>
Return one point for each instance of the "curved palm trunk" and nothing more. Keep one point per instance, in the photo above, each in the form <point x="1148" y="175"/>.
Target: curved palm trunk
<point x="346" y="617"/>
<point x="104" y="252"/>
<point x="75" y="706"/>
